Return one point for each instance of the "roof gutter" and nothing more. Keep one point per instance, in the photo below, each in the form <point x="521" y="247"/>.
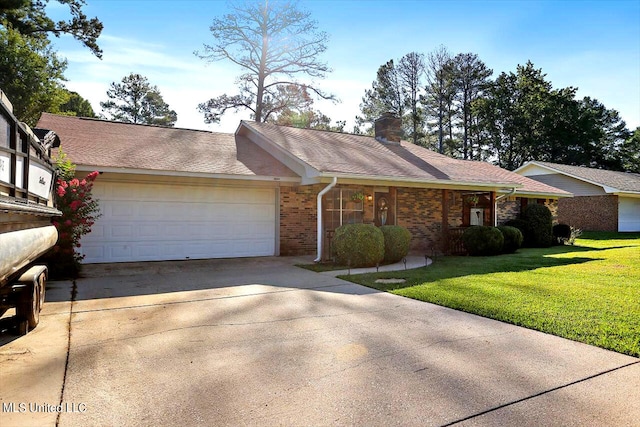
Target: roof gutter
<point x="319" y="216"/>
<point x="495" y="205"/>
<point x="438" y="183"/>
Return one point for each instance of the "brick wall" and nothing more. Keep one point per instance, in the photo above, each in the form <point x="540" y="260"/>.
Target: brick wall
<point x="420" y="211"/>
<point x="552" y="204"/>
<point x="298" y="219"/>
<point x="592" y="213"/>
<point x="510" y="208"/>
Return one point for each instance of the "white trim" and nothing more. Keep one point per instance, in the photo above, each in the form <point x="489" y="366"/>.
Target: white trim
<point x="319" y="217"/>
<point x="607" y="189"/>
<point x="133" y="171"/>
<point x="433" y="183"/>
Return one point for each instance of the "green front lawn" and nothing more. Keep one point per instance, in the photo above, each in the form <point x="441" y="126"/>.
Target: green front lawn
<point x="589" y="292"/>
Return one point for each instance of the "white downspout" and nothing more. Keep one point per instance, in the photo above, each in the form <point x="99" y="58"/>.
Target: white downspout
<point x="495" y="207"/>
<point x="319" y="211"/>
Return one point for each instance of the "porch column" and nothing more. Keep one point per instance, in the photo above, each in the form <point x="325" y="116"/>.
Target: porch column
<point x="445" y="221"/>
<point x="494" y="207"/>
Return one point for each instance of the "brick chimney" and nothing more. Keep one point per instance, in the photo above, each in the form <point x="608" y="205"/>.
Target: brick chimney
<point x="389" y="129"/>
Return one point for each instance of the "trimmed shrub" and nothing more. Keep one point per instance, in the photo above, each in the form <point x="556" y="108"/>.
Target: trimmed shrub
<point x="358" y="245"/>
<point x="521" y="225"/>
<point x="396" y="243"/>
<point x="512" y="239"/>
<point x="483" y="240"/>
<point x="561" y="233"/>
<point x="539" y="226"/>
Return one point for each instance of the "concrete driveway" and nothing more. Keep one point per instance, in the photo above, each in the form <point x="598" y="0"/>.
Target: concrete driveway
<point x="261" y="342"/>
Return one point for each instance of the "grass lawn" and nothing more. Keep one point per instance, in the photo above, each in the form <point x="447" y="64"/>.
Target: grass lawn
<point x="589" y="292"/>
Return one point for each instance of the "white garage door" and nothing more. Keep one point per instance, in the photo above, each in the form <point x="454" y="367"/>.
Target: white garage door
<point x="628" y="214"/>
<point x="153" y="222"/>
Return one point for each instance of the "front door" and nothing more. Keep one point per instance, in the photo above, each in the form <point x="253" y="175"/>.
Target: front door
<point x="384" y="214"/>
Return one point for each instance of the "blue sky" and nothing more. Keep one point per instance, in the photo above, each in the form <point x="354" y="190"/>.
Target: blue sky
<point x="591" y="45"/>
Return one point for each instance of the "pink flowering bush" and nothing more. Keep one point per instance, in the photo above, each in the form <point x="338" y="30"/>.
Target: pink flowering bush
<point x="79" y="212"/>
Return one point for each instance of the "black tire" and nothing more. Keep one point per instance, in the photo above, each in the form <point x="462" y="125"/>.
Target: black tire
<point x="28" y="307"/>
<point x="22" y="327"/>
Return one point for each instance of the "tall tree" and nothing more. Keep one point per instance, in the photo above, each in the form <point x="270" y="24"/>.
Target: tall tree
<point x="387" y="95"/>
<point x="134" y="100"/>
<point x="470" y="79"/>
<point x="500" y="122"/>
<point x="308" y="119"/>
<point x="76" y="105"/>
<point x="630" y="153"/>
<point x="30" y="75"/>
<point x="273" y="43"/>
<point x="29" y="18"/>
<point x="411" y="69"/>
<point x="603" y="136"/>
<point x="439" y="92"/>
<point x="299" y="112"/>
<point x="523" y="118"/>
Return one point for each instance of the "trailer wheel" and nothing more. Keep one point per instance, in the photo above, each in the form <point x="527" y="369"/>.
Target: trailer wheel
<point x="22" y="327"/>
<point x="42" y="284"/>
<point x="28" y="307"/>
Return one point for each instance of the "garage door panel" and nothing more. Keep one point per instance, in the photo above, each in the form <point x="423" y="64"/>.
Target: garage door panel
<point x="143" y="222"/>
<point x="628" y="214"/>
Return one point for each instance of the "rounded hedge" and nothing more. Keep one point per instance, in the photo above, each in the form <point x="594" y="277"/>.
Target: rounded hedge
<point x="396" y="242"/>
<point x="483" y="240"/>
<point x="562" y="231"/>
<point x="512" y="239"/>
<point x="521" y="225"/>
<point x="358" y="245"/>
<point x="539" y="226"/>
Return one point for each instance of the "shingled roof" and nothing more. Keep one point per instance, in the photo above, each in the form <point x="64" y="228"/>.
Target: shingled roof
<point x="620" y="181"/>
<point x="106" y="144"/>
<point x="341" y="154"/>
<point x="262" y="150"/>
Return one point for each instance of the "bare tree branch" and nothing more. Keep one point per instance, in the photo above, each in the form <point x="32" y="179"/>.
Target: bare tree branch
<point x="266" y="40"/>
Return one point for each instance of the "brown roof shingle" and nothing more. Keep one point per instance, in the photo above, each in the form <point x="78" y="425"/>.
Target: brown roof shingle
<point x="623" y="181"/>
<point x="360" y="155"/>
<point x="101" y="143"/>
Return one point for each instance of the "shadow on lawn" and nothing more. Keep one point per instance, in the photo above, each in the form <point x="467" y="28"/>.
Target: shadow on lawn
<point x="606" y="235"/>
<point x="459" y="266"/>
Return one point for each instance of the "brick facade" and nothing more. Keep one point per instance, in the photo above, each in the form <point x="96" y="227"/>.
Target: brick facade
<point x="592" y="213"/>
<point x="420" y="211"/>
<point x="298" y="219"/>
<point x="417" y="209"/>
<point x="510" y="208"/>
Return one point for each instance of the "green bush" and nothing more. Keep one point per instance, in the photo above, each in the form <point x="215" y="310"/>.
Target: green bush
<point x="539" y="226"/>
<point x="521" y="225"/>
<point x="483" y="240"/>
<point x="561" y="233"/>
<point x="396" y="243"/>
<point x="512" y="239"/>
<point x="358" y="245"/>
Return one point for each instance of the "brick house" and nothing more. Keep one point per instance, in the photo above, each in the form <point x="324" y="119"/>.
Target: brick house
<point x="170" y="193"/>
<point x="602" y="200"/>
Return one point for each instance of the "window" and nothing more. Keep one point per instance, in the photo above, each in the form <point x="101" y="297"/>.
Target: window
<point x="343" y="206"/>
<point x="5" y="132"/>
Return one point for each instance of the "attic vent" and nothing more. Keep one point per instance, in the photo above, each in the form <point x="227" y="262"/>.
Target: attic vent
<point x="388" y="129"/>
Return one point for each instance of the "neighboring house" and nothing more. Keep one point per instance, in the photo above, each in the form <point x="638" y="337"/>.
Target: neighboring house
<point x="603" y="200"/>
<point x="168" y="193"/>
